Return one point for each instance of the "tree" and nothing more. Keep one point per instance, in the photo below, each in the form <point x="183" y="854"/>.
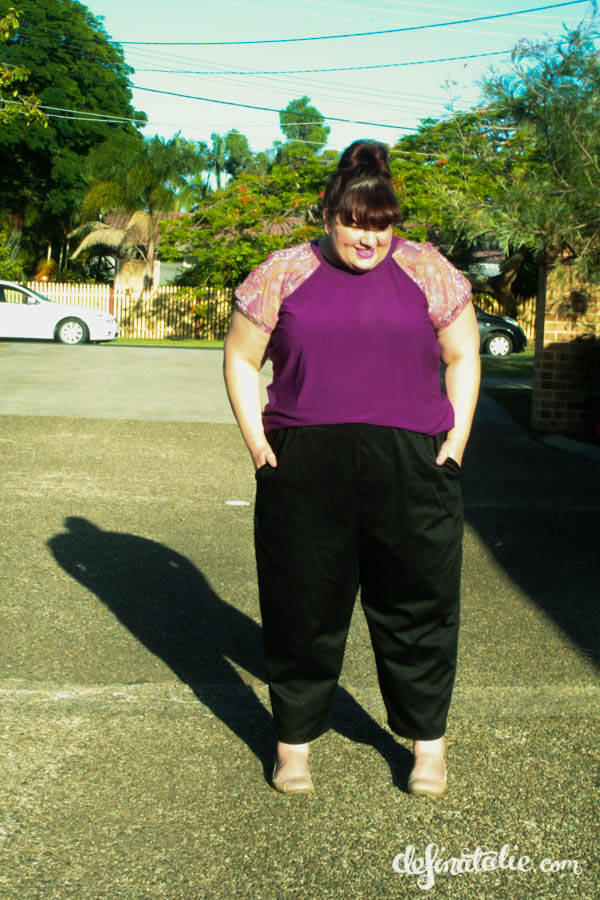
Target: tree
<point x="13" y="105"/>
<point x="418" y="162"/>
<point x="11" y="261"/>
<point x="537" y="142"/>
<point x="217" y="158"/>
<point x="433" y="164"/>
<point x="12" y="102"/>
<point x="301" y="122"/>
<point x="238" y="155"/>
<point x="72" y="65"/>
<point x="138" y="179"/>
<point x="254" y="215"/>
<point x="197" y="177"/>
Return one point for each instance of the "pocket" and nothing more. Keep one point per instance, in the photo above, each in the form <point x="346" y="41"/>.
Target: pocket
<point x="447" y="485"/>
<point x="451" y="466"/>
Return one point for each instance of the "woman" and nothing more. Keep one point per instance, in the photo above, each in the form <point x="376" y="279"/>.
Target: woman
<point x="357" y="458"/>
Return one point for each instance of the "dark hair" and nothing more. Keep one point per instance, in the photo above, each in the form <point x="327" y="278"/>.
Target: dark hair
<point x="360" y="192"/>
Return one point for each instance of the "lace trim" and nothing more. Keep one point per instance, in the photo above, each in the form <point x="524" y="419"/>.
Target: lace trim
<point x="264" y="290"/>
<point x="447" y="290"/>
<point x="260" y="296"/>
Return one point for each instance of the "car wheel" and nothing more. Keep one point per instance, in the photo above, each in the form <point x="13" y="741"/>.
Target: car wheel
<point x="72" y="331"/>
<point x="499" y="345"/>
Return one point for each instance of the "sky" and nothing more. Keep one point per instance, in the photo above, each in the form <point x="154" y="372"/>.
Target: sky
<point x="385" y="102"/>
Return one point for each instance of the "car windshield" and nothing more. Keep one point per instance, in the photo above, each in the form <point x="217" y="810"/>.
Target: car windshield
<point x="39" y="296"/>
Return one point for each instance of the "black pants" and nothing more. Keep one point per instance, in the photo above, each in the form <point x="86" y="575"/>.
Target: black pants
<point x="352" y="505"/>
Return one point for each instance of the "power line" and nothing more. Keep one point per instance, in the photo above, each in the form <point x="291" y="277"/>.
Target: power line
<point x="331" y="37"/>
<point x="376" y="99"/>
<point x="223" y="74"/>
<point x="418" y="62"/>
<point x="376" y="10"/>
<point x="273" y="109"/>
<point x="78" y="115"/>
<point x="83" y="112"/>
<point x="266" y="108"/>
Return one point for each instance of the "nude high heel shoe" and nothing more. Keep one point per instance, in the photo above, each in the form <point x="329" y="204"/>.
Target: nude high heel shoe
<point x="427" y="784"/>
<point x="425" y="780"/>
<point x="293" y="784"/>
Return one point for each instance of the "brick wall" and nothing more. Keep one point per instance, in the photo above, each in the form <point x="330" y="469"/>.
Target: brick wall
<point x="566" y="310"/>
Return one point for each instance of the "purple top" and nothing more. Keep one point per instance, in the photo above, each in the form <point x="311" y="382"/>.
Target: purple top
<point x="355" y="346"/>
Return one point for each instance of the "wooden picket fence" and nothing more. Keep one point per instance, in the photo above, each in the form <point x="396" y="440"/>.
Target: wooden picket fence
<point x="167" y="312"/>
<point x="523" y="312"/>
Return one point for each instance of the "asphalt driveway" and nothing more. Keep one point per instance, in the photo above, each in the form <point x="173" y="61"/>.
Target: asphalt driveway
<point x="105" y="381"/>
<point x="136" y="737"/>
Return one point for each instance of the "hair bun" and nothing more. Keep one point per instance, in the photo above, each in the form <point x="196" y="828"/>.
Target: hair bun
<point x="362" y="158"/>
<point x="361" y="190"/>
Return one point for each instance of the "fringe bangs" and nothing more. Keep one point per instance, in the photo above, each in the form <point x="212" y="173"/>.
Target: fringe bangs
<point x="369" y="204"/>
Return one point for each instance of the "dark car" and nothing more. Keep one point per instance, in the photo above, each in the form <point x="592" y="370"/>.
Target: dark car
<point x="499" y="335"/>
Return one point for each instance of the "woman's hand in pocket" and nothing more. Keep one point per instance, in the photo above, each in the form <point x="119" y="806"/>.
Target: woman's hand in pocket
<point x="452" y="448"/>
<point x="264" y="456"/>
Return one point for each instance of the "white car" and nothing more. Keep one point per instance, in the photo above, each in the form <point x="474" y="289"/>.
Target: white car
<point x="26" y="314"/>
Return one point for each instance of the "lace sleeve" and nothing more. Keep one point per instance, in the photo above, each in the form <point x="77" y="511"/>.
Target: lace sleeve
<point x="447" y="290"/>
<point x="263" y="291"/>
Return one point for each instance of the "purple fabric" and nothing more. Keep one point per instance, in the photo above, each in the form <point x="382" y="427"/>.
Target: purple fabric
<point x="356" y="347"/>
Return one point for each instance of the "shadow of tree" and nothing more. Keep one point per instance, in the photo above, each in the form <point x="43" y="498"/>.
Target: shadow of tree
<point x="168" y="605"/>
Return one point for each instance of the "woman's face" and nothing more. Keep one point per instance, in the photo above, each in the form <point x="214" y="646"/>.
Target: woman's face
<point x="357" y="248"/>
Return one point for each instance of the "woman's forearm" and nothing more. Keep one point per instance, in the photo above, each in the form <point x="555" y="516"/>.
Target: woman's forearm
<point x="244" y="352"/>
<point x="459" y="344"/>
<point x="242" y="380"/>
<point x="462" y="387"/>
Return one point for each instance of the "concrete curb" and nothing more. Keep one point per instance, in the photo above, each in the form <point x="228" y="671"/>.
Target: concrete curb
<point x="570" y="446"/>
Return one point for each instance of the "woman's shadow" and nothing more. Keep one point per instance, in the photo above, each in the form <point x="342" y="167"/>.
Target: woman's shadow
<point x="168" y="605"/>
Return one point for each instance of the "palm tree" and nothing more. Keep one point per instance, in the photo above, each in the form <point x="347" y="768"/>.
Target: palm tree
<point x="218" y="157"/>
<point x="138" y="182"/>
<point x="123" y="236"/>
<point x="197" y="182"/>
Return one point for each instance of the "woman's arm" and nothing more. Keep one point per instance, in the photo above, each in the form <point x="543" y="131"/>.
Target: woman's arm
<point x="459" y="344"/>
<point x="245" y="347"/>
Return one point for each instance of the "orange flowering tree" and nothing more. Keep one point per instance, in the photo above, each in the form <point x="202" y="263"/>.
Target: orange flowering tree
<point x="255" y="214"/>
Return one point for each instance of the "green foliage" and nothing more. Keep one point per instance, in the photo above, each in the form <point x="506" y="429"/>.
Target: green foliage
<point x="532" y="155"/>
<point x="13" y="104"/>
<point x="8" y="22"/>
<point x="300" y="121"/>
<point x="253" y="216"/>
<point x="216" y="158"/>
<point x="420" y="163"/>
<point x="71" y="65"/>
<point x="238" y="155"/>
<point x="11" y="258"/>
<point x="196" y="182"/>
<point x="127" y="174"/>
